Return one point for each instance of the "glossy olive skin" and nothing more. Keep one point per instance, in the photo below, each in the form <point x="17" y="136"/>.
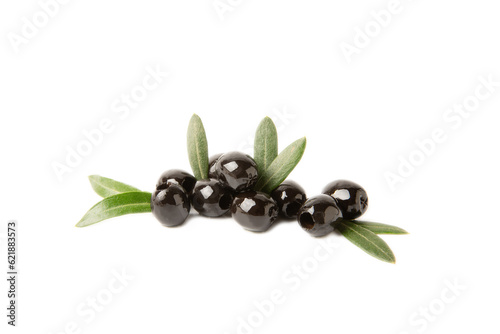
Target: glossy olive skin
<point x="211" y="199"/>
<point x="289" y="196"/>
<point x="237" y="171"/>
<point x="211" y="165"/>
<point x="170" y="205"/>
<point x="176" y="176"/>
<point x="255" y="211"/>
<point x="318" y="214"/>
<point x="351" y="197"/>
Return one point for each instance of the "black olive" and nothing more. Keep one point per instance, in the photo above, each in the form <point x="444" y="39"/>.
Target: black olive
<point x="210" y="198"/>
<point x="289" y="196"/>
<point x="351" y="197"/>
<point x="318" y="215"/>
<point x="255" y="211"/>
<point x="211" y="165"/>
<point x="237" y="171"/>
<point x="176" y="176"/>
<point x="170" y="205"/>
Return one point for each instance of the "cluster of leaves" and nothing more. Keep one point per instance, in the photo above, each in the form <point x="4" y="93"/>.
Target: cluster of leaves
<point x="120" y="199"/>
<point x="273" y="168"/>
<point x="364" y="235"/>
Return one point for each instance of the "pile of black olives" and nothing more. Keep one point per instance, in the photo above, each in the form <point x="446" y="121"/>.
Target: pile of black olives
<point x="230" y="189"/>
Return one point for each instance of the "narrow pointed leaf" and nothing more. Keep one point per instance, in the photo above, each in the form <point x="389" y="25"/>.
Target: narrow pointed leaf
<point x="117" y="205"/>
<point x="282" y="166"/>
<point x="379" y="228"/>
<point x="367" y="241"/>
<point x="105" y="187"/>
<point x="265" y="144"/>
<point x="197" y="148"/>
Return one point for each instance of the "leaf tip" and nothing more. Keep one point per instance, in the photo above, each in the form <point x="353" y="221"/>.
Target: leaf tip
<point x="301" y="141"/>
<point x="392" y="257"/>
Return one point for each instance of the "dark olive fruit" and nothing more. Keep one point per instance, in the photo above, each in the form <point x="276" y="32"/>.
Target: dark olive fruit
<point x="210" y="198"/>
<point x="255" y="211"/>
<point x="170" y="205"/>
<point x="211" y="165"/>
<point x="351" y="197"/>
<point x="319" y="214"/>
<point x="176" y="176"/>
<point x="289" y="196"/>
<point x="237" y="170"/>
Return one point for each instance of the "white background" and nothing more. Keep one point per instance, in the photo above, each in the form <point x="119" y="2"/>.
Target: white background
<point x="260" y="58"/>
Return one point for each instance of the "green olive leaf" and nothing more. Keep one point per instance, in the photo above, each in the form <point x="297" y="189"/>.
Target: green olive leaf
<point x="282" y="166"/>
<point x="379" y="228"/>
<point x="366" y="240"/>
<point x="265" y="144"/>
<point x="105" y="187"/>
<point x="197" y="148"/>
<point x="117" y="205"/>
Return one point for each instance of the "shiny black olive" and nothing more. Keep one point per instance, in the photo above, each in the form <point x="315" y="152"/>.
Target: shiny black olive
<point x="176" y="176"/>
<point x="351" y="197"/>
<point x="318" y="214"/>
<point x="255" y="211"/>
<point x="210" y="198"/>
<point x="289" y="196"/>
<point x="237" y="170"/>
<point x="211" y="165"/>
<point x="170" y="205"/>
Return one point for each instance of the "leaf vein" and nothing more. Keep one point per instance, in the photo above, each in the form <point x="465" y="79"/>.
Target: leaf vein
<point x="371" y="242"/>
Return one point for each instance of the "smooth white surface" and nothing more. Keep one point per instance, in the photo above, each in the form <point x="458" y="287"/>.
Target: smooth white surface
<point x="276" y="58"/>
